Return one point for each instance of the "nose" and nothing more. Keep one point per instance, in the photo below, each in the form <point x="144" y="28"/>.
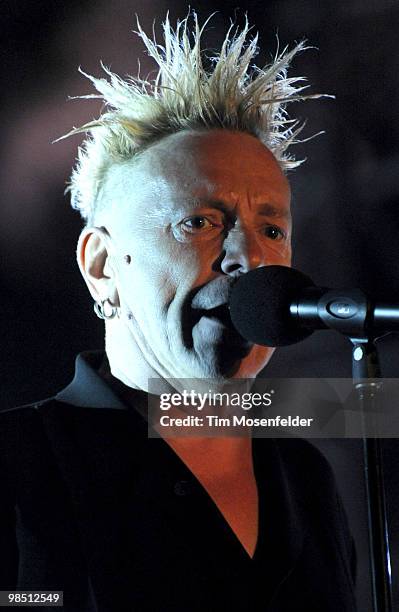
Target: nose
<point x="241" y="252"/>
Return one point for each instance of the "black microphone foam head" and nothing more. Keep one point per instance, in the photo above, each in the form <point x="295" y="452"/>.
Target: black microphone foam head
<point x="260" y="305"/>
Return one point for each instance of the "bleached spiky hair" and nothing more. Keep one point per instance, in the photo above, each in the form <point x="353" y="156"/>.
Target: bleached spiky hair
<point x="184" y="95"/>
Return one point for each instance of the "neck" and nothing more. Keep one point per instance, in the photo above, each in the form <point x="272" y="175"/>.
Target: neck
<point x="125" y="358"/>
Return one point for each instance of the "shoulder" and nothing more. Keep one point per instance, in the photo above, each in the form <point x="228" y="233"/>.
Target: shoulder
<point x="24" y="417"/>
<point x="23" y="450"/>
<point x="21" y="417"/>
<point x="27" y="433"/>
<point x="22" y="434"/>
<point x="17" y="411"/>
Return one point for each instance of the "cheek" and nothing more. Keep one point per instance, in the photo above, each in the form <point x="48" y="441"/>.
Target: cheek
<point x="159" y="271"/>
<point x="190" y="264"/>
<point x="278" y="255"/>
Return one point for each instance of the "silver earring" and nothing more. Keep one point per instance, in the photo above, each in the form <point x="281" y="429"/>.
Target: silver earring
<point x="105" y="310"/>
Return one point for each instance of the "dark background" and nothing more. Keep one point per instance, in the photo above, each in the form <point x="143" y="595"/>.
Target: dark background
<point x="345" y="197"/>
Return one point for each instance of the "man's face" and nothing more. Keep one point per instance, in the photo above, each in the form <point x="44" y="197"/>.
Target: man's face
<point x="194" y="212"/>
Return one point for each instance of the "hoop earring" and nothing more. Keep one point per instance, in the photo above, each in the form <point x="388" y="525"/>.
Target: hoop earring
<point x="105" y="310"/>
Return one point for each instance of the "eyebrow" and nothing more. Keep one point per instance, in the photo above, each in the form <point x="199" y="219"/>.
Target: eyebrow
<point x="271" y="211"/>
<point x="266" y="209"/>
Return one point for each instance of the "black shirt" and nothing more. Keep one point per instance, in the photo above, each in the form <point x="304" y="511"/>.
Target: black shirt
<point x="118" y="522"/>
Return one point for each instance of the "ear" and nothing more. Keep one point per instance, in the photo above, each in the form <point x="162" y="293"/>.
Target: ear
<point x="94" y="263"/>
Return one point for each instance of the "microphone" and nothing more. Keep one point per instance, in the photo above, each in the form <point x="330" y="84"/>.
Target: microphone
<point x="278" y="306"/>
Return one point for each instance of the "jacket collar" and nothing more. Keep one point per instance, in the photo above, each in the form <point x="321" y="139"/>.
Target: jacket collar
<point x="88" y="389"/>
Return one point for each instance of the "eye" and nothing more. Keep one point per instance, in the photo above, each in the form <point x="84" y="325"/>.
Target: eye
<point x="275" y="233"/>
<point x="196" y="224"/>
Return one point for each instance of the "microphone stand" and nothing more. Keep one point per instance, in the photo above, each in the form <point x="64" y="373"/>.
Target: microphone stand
<point x="365" y="370"/>
<point x="351" y="313"/>
<point x="297" y="307"/>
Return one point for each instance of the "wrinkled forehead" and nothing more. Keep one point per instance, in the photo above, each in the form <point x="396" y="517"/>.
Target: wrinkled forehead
<point x="185" y="167"/>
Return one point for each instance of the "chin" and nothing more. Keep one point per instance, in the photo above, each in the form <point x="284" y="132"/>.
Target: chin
<point x="221" y="364"/>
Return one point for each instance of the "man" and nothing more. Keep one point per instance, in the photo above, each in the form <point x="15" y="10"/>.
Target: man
<point x="182" y="187"/>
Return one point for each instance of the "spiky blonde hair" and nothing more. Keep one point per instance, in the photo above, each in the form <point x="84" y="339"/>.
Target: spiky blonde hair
<point x="232" y="94"/>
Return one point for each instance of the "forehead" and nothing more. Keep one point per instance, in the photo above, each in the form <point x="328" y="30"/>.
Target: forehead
<point x="187" y="167"/>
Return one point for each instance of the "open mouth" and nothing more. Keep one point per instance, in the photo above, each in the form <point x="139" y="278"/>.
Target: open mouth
<point x="213" y="321"/>
<point x="220" y="313"/>
<point x="229" y="344"/>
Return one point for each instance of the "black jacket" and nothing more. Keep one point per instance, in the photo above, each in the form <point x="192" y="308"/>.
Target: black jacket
<point x="93" y="507"/>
